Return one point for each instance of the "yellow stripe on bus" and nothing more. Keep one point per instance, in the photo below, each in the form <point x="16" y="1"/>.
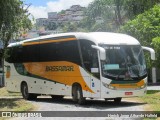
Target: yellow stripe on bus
<point x="129" y="85"/>
<point x="47" y="41"/>
<point x="63" y="72"/>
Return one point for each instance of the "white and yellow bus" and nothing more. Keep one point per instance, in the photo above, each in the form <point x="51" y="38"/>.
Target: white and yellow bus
<point x="81" y="65"/>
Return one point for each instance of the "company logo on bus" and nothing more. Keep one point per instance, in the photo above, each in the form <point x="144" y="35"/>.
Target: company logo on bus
<point x="59" y="68"/>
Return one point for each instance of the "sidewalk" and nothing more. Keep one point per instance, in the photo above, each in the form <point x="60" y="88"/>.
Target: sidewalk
<point x="155" y="87"/>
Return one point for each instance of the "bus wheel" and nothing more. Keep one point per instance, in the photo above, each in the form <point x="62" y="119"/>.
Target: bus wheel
<point x="26" y="95"/>
<point x="57" y="97"/>
<point x="78" y="95"/>
<point x="117" y="100"/>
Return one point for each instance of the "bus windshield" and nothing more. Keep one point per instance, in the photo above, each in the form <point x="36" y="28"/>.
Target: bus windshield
<point x="124" y="62"/>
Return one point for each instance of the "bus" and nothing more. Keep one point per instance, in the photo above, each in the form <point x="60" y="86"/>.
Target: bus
<point x="96" y="65"/>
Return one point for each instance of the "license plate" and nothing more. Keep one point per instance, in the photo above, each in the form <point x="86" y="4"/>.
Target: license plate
<point x="128" y="93"/>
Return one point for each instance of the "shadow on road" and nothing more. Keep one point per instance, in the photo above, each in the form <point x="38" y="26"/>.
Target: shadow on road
<point x="98" y="104"/>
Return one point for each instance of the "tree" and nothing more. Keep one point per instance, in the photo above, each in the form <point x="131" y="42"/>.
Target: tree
<point x="156" y="45"/>
<point x="144" y="27"/>
<point x="98" y="8"/>
<point x="118" y="9"/>
<point x="62" y="12"/>
<point x="13" y="20"/>
<point x="86" y="23"/>
<point x="110" y="11"/>
<point x="52" y="26"/>
<point x="115" y="13"/>
<point x="136" y="7"/>
<point x="70" y="27"/>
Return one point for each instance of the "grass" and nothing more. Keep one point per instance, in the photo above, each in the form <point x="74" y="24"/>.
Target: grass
<point x="4" y="92"/>
<point x="152" y="99"/>
<point x="13" y="102"/>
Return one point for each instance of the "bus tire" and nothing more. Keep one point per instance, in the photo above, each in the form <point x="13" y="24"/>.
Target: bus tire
<point x="78" y="95"/>
<point x="74" y="95"/>
<point x="26" y="95"/>
<point x="117" y="100"/>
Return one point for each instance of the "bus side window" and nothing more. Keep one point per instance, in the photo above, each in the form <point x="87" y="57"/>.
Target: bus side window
<point x="89" y="56"/>
<point x="8" y="55"/>
<point x="60" y="51"/>
<point x="13" y="54"/>
<point x="85" y="54"/>
<point x="95" y="59"/>
<point x="16" y="54"/>
<point x="31" y="53"/>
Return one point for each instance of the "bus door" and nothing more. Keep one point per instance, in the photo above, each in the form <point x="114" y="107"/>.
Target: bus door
<point x="95" y="83"/>
<point x="91" y="65"/>
<point x="93" y="79"/>
<point x="95" y="76"/>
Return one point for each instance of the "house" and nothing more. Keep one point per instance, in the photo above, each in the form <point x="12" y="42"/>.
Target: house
<point x="74" y="14"/>
<point x="40" y="22"/>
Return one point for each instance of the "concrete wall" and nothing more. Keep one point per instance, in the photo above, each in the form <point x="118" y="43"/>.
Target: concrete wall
<point x="154" y="76"/>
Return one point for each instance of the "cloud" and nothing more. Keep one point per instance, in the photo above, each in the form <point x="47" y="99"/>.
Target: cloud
<point x="55" y="6"/>
<point x="38" y="12"/>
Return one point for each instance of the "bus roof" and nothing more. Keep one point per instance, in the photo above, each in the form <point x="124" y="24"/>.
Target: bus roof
<point x="96" y="37"/>
<point x="110" y="38"/>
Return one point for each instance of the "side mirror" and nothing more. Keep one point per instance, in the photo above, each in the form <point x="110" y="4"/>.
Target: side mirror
<point x="101" y="50"/>
<point x="152" y="52"/>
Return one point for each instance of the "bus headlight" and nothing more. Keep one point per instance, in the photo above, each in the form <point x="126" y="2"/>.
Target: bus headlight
<point x="108" y="86"/>
<point x="143" y="86"/>
<point x="111" y="87"/>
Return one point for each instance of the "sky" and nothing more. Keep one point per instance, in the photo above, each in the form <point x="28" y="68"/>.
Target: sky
<point x="40" y="8"/>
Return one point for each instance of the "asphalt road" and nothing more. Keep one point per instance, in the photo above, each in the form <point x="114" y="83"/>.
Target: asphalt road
<point x="44" y="103"/>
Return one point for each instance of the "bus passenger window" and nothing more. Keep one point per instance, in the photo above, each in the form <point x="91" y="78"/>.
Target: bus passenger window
<point x="95" y="59"/>
<point x="89" y="56"/>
